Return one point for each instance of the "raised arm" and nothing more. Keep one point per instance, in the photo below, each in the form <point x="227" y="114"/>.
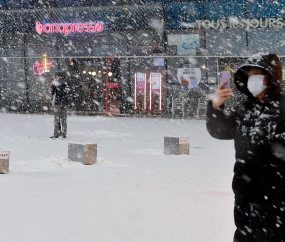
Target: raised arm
<point x="219" y="124"/>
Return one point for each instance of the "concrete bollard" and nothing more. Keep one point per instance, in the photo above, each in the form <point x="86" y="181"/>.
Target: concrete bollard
<point x="84" y="153"/>
<point x="176" y="145"/>
<point x="4" y="162"/>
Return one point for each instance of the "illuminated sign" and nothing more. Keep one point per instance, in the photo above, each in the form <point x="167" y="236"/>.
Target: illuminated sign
<point x="235" y="23"/>
<point x="40" y="68"/>
<point x="69" y="28"/>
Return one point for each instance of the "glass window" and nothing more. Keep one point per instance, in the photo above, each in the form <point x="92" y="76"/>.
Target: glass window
<point x="145" y="37"/>
<point x="29" y="21"/>
<point x="46" y="3"/>
<point x="187" y="44"/>
<point x="113" y="17"/>
<point x="12" y="21"/>
<point x="266" y="40"/>
<point x="1" y="3"/>
<point x="226" y="42"/>
<point x="150" y="17"/>
<point x="2" y="41"/>
<point x="13" y="69"/>
<point x="105" y="2"/>
<point x="266" y="8"/>
<point x="109" y="38"/>
<point x="71" y="15"/>
<point x="224" y="9"/>
<point x="38" y="51"/>
<point x="109" y="50"/>
<point x="14" y="39"/>
<point x="29" y="3"/>
<point x="13" y="4"/>
<point x="140" y="50"/>
<point x="75" y="51"/>
<point x="14" y="52"/>
<point x="178" y="15"/>
<point x="78" y="39"/>
<point x="61" y="3"/>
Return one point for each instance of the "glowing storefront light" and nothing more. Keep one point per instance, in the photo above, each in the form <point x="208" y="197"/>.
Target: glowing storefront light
<point x="69" y="27"/>
<point x="40" y="68"/>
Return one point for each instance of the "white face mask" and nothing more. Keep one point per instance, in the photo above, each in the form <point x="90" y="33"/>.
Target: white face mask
<point x="255" y="84"/>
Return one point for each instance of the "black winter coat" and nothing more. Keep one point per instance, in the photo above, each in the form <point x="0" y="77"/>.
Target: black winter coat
<point x="258" y="129"/>
<point x="61" y="90"/>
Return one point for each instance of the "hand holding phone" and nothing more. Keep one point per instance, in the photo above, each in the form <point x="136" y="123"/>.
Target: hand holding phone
<point x="225" y="76"/>
<point x="223" y="91"/>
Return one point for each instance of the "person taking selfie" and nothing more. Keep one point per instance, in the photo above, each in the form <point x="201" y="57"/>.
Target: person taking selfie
<point x="257" y="127"/>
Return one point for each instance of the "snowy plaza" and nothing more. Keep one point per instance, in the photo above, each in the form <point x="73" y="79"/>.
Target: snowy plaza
<point x="133" y="193"/>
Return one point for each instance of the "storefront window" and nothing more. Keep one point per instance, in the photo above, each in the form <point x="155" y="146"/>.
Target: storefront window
<point x="14" y="39"/>
<point x="71" y="15"/>
<point x="113" y="18"/>
<point x="38" y="51"/>
<point x="266" y="40"/>
<point x="75" y="51"/>
<point x="29" y="3"/>
<point x="178" y="15"/>
<point x="61" y="3"/>
<point x="13" y="52"/>
<point x="224" y="9"/>
<point x="12" y="21"/>
<point x="13" y="4"/>
<point x="105" y="2"/>
<point x="47" y="3"/>
<point x="146" y="17"/>
<point x="227" y="42"/>
<point x="265" y="9"/>
<point x="109" y="50"/>
<point x="186" y="44"/>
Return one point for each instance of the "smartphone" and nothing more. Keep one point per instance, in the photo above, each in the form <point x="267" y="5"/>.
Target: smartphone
<point x="225" y="76"/>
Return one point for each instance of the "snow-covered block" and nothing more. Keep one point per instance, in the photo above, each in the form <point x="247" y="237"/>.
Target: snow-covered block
<point x="176" y="145"/>
<point x="4" y="162"/>
<point x="84" y="153"/>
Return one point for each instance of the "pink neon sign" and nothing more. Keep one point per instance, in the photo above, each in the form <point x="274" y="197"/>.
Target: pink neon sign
<point x="69" y="28"/>
<point x="40" y="68"/>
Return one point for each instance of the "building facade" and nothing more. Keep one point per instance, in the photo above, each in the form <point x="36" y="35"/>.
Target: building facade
<point x="150" y="57"/>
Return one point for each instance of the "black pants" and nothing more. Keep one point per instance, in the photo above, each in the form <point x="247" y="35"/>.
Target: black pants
<point x="60" y="114"/>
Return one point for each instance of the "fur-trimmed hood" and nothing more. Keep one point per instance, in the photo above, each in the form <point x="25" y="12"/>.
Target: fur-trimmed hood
<point x="270" y="64"/>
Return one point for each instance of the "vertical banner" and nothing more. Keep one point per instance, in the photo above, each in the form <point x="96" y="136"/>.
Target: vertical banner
<point x="155" y="90"/>
<point x="140" y="91"/>
<point x="140" y="82"/>
<point x="155" y="82"/>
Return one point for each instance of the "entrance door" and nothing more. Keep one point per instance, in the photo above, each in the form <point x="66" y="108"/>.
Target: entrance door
<point x="112" y="93"/>
<point x="93" y="88"/>
<point x="100" y="84"/>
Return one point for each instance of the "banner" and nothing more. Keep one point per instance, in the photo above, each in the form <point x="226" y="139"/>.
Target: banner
<point x="189" y="77"/>
<point x="155" y="81"/>
<point x="187" y="44"/>
<point x="140" y="82"/>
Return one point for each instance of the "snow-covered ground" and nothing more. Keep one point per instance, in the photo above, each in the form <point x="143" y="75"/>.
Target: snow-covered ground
<point x="133" y="194"/>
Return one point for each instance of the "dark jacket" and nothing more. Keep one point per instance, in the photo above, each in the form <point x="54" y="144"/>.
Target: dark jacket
<point x="61" y="90"/>
<point x="257" y="127"/>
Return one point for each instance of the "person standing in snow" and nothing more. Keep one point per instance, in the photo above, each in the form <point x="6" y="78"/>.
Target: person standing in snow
<point x="257" y="126"/>
<point x="60" y="88"/>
